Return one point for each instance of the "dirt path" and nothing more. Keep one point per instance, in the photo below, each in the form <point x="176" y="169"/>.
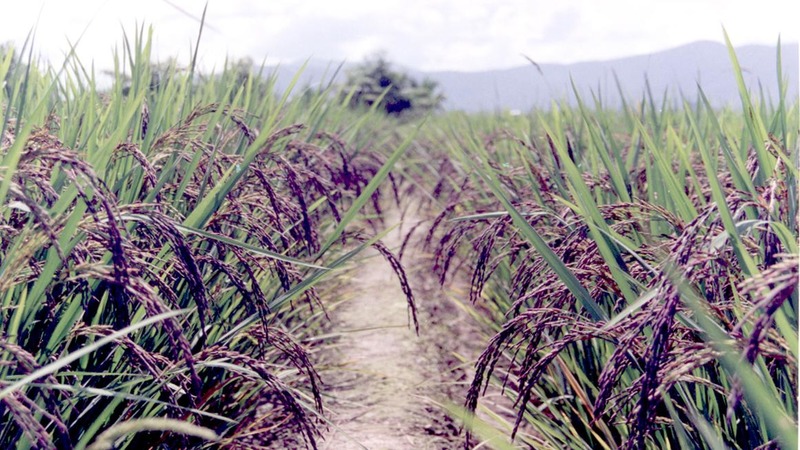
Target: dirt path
<point x="385" y="375"/>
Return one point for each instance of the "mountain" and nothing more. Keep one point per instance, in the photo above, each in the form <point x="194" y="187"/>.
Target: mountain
<point x="677" y="71"/>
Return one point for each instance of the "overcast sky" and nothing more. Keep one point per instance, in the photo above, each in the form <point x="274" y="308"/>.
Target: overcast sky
<point x="423" y="34"/>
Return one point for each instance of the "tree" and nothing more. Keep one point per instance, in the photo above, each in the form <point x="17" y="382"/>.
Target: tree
<point x="398" y="93"/>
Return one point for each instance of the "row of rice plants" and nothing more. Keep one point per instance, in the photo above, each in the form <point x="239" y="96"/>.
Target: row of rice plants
<point x="159" y="243"/>
<point x="639" y="268"/>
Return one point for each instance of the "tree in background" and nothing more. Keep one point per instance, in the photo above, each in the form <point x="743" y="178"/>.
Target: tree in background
<point x="398" y="93"/>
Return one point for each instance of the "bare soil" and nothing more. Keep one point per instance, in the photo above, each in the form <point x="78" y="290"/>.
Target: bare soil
<point x="385" y="381"/>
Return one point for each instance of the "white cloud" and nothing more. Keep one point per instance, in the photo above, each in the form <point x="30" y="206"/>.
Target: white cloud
<point x="440" y="34"/>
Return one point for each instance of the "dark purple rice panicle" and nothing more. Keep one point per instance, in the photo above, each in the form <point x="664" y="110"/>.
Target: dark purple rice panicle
<point x="149" y="361"/>
<point x="295" y="353"/>
<point x="484" y="244"/>
<point x="770" y="445"/>
<point x="447" y="250"/>
<point x="150" y="175"/>
<point x="436" y="223"/>
<point x="166" y="227"/>
<point x="398" y="269"/>
<point x="24" y="411"/>
<point x="451" y="203"/>
<point x="294" y="187"/>
<point x="771" y="289"/>
<point x="684" y="255"/>
<point x="407" y="239"/>
<point x="292" y="415"/>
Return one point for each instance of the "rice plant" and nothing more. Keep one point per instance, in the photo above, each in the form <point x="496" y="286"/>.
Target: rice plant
<point x="639" y="268"/>
<point x="160" y="243"/>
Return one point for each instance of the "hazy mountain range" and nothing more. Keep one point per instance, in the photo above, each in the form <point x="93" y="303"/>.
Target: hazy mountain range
<point x="676" y="71"/>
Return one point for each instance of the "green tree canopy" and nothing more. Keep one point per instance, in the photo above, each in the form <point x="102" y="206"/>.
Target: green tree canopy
<point x="398" y="93"/>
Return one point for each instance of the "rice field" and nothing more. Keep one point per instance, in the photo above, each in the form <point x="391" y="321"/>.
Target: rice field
<point x="166" y="247"/>
<point x="639" y="268"/>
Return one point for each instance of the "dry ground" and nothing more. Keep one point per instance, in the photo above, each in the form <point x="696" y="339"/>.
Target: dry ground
<point x="384" y="380"/>
<point x="385" y="385"/>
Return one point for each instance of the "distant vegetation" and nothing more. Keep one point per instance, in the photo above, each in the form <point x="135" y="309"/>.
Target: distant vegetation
<point x="396" y="93"/>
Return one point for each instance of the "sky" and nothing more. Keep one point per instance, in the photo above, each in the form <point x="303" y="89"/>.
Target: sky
<point x="427" y="35"/>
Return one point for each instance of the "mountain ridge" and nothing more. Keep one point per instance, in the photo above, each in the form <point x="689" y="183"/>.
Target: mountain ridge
<point x="677" y="71"/>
